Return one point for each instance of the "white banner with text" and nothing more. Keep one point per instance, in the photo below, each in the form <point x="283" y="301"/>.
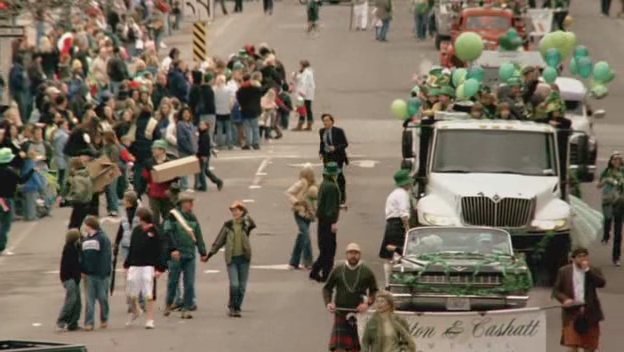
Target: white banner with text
<point x="514" y="330"/>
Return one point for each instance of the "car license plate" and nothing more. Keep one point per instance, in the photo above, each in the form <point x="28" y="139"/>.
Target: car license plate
<point x="457" y="303"/>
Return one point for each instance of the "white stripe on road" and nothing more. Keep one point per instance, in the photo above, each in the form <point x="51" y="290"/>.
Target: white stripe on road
<point x="248" y="201"/>
<point x="211" y="271"/>
<point x="255" y="184"/>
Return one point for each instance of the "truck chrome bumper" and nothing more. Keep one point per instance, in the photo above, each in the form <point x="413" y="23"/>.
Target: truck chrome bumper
<point x="439" y="301"/>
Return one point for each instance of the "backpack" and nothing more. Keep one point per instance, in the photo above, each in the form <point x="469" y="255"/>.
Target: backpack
<point x="80" y="188"/>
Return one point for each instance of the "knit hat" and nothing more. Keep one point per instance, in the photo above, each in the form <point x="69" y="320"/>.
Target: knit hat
<point x="331" y="169"/>
<point x="402" y="178"/>
<point x="160" y="144"/>
<point x="6" y="155"/>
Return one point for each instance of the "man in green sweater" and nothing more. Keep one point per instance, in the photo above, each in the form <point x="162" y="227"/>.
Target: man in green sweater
<point x="185" y="239"/>
<point x="327" y="212"/>
<point x="355" y="288"/>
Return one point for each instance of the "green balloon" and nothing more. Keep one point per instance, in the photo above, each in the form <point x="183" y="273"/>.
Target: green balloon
<point x="602" y="71"/>
<point x="399" y="109"/>
<point x="568" y="45"/>
<point x="573" y="67"/>
<point x="476" y="72"/>
<point x="581" y="51"/>
<point x="506" y="71"/>
<point x="471" y="87"/>
<point x="599" y="91"/>
<point x="459" y="76"/>
<point x="553" y="57"/>
<point x="459" y="93"/>
<point x="585" y="67"/>
<point x="550" y="75"/>
<point x="413" y="106"/>
<point x="468" y="46"/>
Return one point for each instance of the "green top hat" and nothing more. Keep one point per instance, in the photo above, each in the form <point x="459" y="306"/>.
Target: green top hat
<point x="402" y="178"/>
<point x="331" y="169"/>
<point x="6" y="155"/>
<point x="514" y="82"/>
<point x="160" y="144"/>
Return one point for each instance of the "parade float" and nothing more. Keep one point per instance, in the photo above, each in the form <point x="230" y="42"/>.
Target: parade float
<point x="519" y="174"/>
<point x="459" y="269"/>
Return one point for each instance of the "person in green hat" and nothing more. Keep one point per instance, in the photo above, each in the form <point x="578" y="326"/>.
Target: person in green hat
<point x="327" y="213"/>
<point x="515" y="99"/>
<point x="398" y="210"/>
<point x="161" y="194"/>
<point x="8" y="187"/>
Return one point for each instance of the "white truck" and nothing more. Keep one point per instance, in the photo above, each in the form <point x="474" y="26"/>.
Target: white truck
<point x="503" y="174"/>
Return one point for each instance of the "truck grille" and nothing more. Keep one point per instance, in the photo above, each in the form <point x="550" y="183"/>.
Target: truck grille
<point x="506" y="212"/>
<point x="573" y="154"/>
<point x="461" y="279"/>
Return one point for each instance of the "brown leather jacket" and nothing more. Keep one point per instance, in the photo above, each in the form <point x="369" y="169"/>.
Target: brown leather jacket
<point x="564" y="289"/>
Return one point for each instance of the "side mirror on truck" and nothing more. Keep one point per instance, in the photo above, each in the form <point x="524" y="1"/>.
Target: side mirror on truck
<point x="599" y="114"/>
<point x="580" y="159"/>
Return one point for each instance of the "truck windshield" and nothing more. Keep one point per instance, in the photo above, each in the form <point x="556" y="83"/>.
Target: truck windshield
<point x="574" y="107"/>
<point x="496" y="23"/>
<point x="494" y="151"/>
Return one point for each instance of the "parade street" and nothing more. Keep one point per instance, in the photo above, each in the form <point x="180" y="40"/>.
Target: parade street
<point x="356" y="80"/>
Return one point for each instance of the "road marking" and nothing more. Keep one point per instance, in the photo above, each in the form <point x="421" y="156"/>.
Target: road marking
<point x="261" y="174"/>
<point x="300" y="165"/>
<point x="36" y="324"/>
<point x="211" y="271"/>
<point x="272" y="267"/>
<point x="255" y="184"/>
<point x="255" y="187"/>
<point x="368" y="164"/>
<point x="248" y="201"/>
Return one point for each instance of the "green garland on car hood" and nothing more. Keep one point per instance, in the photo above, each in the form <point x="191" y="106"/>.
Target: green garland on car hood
<point x="516" y="277"/>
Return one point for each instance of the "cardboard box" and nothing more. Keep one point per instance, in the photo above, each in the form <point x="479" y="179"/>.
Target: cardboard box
<point x="103" y="172"/>
<point x="176" y="168"/>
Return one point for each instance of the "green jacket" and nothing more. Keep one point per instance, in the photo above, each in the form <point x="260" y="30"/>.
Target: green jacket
<point x="226" y="238"/>
<point x="180" y="240"/>
<point x="328" y="203"/>
<point x="373" y="339"/>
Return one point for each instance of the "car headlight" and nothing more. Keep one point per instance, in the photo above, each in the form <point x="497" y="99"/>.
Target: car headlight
<point x="438" y="220"/>
<point x="550" y="224"/>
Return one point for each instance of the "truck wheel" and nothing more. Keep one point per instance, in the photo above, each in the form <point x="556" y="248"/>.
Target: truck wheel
<point x="555" y="256"/>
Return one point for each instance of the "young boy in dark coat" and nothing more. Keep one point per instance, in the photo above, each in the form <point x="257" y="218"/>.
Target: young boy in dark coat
<point x="204" y="149"/>
<point x="70" y="277"/>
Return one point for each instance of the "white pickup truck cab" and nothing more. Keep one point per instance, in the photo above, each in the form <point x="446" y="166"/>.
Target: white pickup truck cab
<point x="502" y="174"/>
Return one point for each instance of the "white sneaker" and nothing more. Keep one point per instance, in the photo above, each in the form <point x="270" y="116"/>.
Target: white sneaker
<point x="149" y="324"/>
<point x="163" y="45"/>
<point x="133" y="317"/>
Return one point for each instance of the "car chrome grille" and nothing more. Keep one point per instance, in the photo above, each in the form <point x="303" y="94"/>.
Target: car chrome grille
<point x="506" y="212"/>
<point x="461" y="279"/>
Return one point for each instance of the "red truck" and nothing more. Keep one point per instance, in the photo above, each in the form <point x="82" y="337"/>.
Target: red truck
<point x="489" y="22"/>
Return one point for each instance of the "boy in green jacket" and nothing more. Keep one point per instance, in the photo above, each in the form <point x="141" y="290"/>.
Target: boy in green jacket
<point x="184" y="233"/>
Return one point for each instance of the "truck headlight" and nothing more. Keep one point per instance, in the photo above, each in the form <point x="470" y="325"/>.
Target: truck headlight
<point x="550" y="224"/>
<point x="438" y="220"/>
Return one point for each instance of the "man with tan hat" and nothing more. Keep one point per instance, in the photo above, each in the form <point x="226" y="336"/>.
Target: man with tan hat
<point x="185" y="239"/>
<point x="351" y="287"/>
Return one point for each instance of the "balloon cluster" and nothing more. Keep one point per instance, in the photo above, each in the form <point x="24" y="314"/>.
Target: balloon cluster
<point x="558" y="46"/>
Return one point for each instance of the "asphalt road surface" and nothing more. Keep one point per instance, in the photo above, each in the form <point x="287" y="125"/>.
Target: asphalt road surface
<point x="357" y="78"/>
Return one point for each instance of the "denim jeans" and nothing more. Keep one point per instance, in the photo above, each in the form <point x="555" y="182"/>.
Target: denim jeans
<point x="97" y="289"/>
<point x="186" y="268"/>
<point x="382" y="32"/>
<point x="303" y="245"/>
<point x="224" y="133"/>
<point x="114" y="87"/>
<point x="70" y="312"/>
<point x="238" y="272"/>
<point x="29" y="210"/>
<point x="112" y="202"/>
<point x="605" y="7"/>
<point x="421" y="25"/>
<point x="253" y="131"/>
<point x="6" y="219"/>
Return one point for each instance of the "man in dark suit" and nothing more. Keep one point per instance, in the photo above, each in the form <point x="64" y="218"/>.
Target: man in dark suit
<point x="575" y="289"/>
<point x="333" y="147"/>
